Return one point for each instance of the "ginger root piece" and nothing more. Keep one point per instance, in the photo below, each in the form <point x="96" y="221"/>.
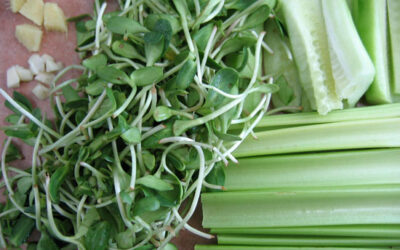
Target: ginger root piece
<point x="54" y="18"/>
<point x="12" y="78"/>
<point x="41" y="91"/>
<point x="30" y="36"/>
<point x="16" y="5"/>
<point x="33" y="10"/>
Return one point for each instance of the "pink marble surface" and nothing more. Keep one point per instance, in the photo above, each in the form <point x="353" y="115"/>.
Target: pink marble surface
<point x="61" y="46"/>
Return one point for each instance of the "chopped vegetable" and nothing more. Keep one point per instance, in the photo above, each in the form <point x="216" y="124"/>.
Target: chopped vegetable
<point x="30" y="36"/>
<point x="36" y="64"/>
<point x="393" y="8"/>
<point x="46" y="78"/>
<point x="12" y="77"/>
<point x="24" y="74"/>
<point x="370" y="19"/>
<point x="33" y="10"/>
<point x="54" y="19"/>
<point x="41" y="91"/>
<point x="16" y="5"/>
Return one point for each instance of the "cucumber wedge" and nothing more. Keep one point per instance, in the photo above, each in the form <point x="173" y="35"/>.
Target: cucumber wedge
<point x="370" y="19"/>
<point x="394" y="34"/>
<point x="307" y="33"/>
<point x="352" y="67"/>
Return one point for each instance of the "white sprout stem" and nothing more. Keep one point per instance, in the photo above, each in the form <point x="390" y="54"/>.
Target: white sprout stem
<point x="61" y="111"/>
<point x="141" y="14"/>
<point x="63" y="212"/>
<point x="64" y="121"/>
<point x="213" y="186"/>
<point x="196" y="197"/>
<point x="163" y="98"/>
<point x="208" y="49"/>
<point x="288" y="52"/>
<point x="143" y="110"/>
<point x="96" y="172"/>
<point x="117" y="187"/>
<point x="3" y="161"/>
<point x="19" y="171"/>
<point x="28" y="114"/>
<point x="133" y="166"/>
<point x="147" y="226"/>
<point x="153" y="106"/>
<point x="126" y="103"/>
<point x="263" y="43"/>
<point x="35" y="180"/>
<point x="257" y="60"/>
<point x="159" y="6"/>
<point x="215" y="12"/>
<point x="9" y="211"/>
<point x="99" y="23"/>
<point x="79" y="211"/>
<point x="229" y="155"/>
<point x="174" y="69"/>
<point x="190" y="228"/>
<point x="63" y="72"/>
<point x="52" y="223"/>
<point x="186" y="32"/>
<point x="197" y="7"/>
<point x="37" y="207"/>
<point x="75" y="131"/>
<point x="127" y="3"/>
<point x="253" y="113"/>
<point x="62" y="85"/>
<point x="153" y="131"/>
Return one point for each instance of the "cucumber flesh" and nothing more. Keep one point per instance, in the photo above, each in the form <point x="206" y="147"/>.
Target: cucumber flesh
<point x="352" y="67"/>
<point x="394" y="34"/>
<point x="307" y="33"/>
<point x="370" y="19"/>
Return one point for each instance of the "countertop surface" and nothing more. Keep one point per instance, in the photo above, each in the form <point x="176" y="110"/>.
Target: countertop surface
<point x="60" y="46"/>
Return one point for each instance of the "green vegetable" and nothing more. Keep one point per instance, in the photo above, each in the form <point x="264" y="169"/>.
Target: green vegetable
<point x="370" y="19"/>
<point x="393" y="8"/>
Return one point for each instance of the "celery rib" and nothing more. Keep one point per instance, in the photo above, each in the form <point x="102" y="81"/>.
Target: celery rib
<point x="378" y="133"/>
<point x="307" y="208"/>
<point x="378" y="231"/>
<point x="242" y="247"/>
<point x="316" y="170"/>
<point x="307" y="241"/>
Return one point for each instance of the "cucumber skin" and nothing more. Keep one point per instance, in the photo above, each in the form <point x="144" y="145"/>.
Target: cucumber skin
<point x="394" y="34"/>
<point x="370" y="19"/>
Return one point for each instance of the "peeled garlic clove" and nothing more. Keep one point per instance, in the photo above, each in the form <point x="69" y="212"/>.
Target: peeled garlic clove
<point x="12" y="78"/>
<point x="36" y="64"/>
<point x="41" y="91"/>
<point x="45" y="78"/>
<point x="25" y="75"/>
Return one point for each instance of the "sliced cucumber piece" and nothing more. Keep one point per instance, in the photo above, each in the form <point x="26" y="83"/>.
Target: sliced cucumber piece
<point x="370" y="19"/>
<point x="307" y="33"/>
<point x="394" y="34"/>
<point x="352" y="67"/>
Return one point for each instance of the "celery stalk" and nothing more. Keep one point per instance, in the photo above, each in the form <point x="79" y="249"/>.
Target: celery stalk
<point x="307" y="33"/>
<point x="369" y="205"/>
<point x="352" y="68"/>
<point x="242" y="247"/>
<point x="307" y="241"/>
<point x="385" y="231"/>
<point x="353" y="114"/>
<point x="370" y="19"/>
<point x="322" y="137"/>
<point x="394" y="34"/>
<point x="294" y="172"/>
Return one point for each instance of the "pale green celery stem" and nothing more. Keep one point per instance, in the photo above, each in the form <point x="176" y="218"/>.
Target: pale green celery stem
<point x="385" y="231"/>
<point x="333" y="169"/>
<point x="248" y="247"/>
<point x="28" y="114"/>
<point x="353" y="114"/>
<point x="352" y="67"/>
<point x="352" y="206"/>
<point x="370" y="19"/>
<point x="393" y="7"/>
<point x="381" y="133"/>
<point x="307" y="241"/>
